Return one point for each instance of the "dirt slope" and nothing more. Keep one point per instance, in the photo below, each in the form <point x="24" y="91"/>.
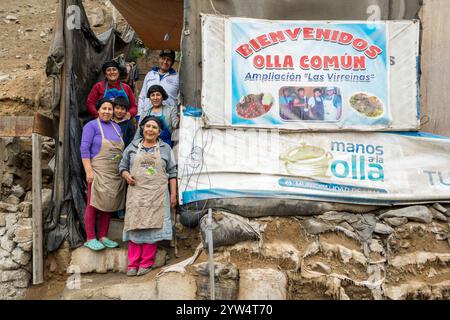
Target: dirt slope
<point x="26" y="30"/>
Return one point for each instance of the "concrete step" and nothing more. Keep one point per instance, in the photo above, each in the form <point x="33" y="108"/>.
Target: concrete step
<point x="85" y="260"/>
<point x="117" y="286"/>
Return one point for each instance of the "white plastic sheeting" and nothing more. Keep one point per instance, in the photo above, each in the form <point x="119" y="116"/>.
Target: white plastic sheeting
<point x="402" y="80"/>
<point x="350" y="167"/>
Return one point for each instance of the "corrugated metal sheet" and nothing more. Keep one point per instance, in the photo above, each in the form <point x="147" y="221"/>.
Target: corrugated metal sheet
<point x="157" y="22"/>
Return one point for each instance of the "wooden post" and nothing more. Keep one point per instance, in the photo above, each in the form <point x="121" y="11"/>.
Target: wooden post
<point x="38" y="250"/>
<point x="435" y="61"/>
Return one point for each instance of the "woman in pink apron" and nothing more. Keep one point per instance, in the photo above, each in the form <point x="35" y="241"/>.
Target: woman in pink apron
<point x="101" y="151"/>
<point x="147" y="165"/>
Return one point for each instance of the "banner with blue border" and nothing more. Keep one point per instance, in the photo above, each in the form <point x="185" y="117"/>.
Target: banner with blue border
<point x="285" y="73"/>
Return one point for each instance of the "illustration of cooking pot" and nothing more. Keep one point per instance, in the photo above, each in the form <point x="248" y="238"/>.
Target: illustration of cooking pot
<point x="306" y="160"/>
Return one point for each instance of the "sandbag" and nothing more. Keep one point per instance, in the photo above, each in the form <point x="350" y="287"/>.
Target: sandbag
<point x="226" y="281"/>
<point x="229" y="229"/>
<point x="191" y="213"/>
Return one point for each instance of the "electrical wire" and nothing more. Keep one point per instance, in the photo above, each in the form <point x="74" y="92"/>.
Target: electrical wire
<point x="214" y="8"/>
<point x="195" y="165"/>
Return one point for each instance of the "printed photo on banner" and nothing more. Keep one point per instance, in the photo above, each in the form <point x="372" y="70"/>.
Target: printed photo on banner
<point x="310" y="103"/>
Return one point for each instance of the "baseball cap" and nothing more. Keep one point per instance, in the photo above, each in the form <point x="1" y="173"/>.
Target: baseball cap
<point x="168" y="53"/>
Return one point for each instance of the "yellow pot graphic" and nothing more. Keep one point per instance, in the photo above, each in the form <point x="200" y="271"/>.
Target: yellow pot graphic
<point x="306" y="161"/>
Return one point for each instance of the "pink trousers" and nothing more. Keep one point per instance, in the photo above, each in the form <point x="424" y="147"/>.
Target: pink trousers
<point x="141" y="255"/>
<point x="90" y="217"/>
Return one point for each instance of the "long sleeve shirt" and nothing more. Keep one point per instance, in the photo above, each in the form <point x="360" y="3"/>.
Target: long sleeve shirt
<point x="98" y="90"/>
<point x="91" y="138"/>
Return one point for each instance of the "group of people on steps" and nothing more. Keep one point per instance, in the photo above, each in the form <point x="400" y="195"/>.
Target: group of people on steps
<point x="126" y="151"/>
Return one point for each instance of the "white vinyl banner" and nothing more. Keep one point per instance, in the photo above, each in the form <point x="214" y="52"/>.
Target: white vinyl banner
<point x="310" y="75"/>
<point x="352" y="167"/>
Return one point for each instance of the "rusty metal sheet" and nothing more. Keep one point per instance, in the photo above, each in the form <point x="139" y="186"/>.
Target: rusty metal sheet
<point x="158" y="22"/>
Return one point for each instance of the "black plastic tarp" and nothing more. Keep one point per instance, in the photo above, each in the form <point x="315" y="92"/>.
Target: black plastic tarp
<point x="75" y="59"/>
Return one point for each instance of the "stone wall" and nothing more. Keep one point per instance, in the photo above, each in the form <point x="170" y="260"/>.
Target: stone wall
<point x="389" y="253"/>
<point x="16" y="231"/>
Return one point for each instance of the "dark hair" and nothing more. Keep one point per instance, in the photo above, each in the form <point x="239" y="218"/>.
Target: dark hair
<point x="147" y="119"/>
<point x="303" y="89"/>
<point x="317" y="90"/>
<point x="121" y="101"/>
<point x="168" y="53"/>
<point x="109" y="64"/>
<point x="99" y="103"/>
<point x="157" y="88"/>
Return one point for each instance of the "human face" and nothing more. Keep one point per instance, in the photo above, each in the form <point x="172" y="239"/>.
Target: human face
<point x="105" y="112"/>
<point x="165" y="63"/>
<point x="330" y="92"/>
<point x="317" y="93"/>
<point x="156" y="99"/>
<point x="112" y="74"/>
<point x="301" y="93"/>
<point x="151" y="131"/>
<point x="119" y="112"/>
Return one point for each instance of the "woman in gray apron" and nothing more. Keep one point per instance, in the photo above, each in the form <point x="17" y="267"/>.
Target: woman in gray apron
<point x="101" y="150"/>
<point x="147" y="165"/>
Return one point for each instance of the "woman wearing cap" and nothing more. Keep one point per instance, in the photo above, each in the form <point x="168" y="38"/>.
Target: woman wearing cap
<point x="168" y="115"/>
<point x="111" y="88"/>
<point x="101" y="149"/>
<point x="146" y="166"/>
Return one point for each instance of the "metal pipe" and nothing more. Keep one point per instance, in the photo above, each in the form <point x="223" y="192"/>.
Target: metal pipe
<point x="210" y="255"/>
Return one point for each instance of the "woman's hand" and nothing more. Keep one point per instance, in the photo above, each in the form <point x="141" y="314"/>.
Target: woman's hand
<point x="128" y="178"/>
<point x="89" y="176"/>
<point x="173" y="200"/>
<point x="128" y="116"/>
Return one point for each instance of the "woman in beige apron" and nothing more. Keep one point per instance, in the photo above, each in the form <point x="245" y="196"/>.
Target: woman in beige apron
<point x="101" y="152"/>
<point x="147" y="165"/>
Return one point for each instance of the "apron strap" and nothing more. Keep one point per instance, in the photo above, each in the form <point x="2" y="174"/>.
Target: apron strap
<point x="124" y="93"/>
<point x="157" y="150"/>
<point x="106" y="88"/>
<point x="101" y="129"/>
<point x="103" y="134"/>
<point x="116" y="131"/>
